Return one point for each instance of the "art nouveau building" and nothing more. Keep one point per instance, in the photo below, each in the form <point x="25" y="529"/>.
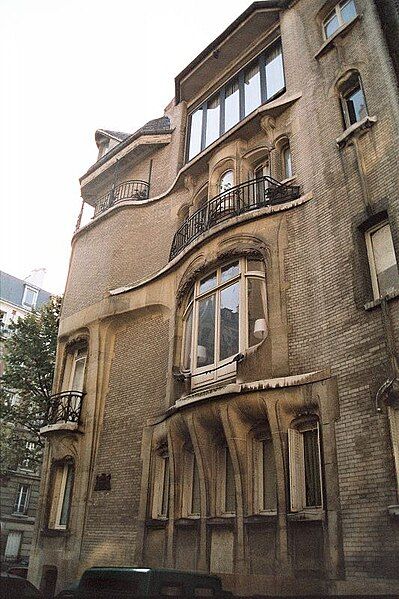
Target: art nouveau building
<point x="226" y="394"/>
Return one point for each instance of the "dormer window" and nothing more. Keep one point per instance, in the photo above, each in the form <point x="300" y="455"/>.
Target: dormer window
<point x="30" y="297"/>
<point x="255" y="84"/>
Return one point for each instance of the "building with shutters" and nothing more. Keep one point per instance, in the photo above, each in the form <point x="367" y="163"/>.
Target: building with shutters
<point x="20" y="485"/>
<point x="226" y="392"/>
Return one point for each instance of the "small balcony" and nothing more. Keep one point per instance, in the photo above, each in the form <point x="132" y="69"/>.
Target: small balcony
<point x="64" y="411"/>
<point x="128" y="190"/>
<point x="251" y="195"/>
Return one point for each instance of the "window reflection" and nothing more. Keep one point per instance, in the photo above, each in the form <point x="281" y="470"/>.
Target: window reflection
<point x="195" y="133"/>
<point x="206" y="331"/>
<point x="232" y="105"/>
<point x="274" y="72"/>
<point x="212" y="120"/>
<point x="252" y="88"/>
<point x="229" y="321"/>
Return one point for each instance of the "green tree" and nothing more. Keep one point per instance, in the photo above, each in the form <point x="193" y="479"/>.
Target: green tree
<point x="29" y="360"/>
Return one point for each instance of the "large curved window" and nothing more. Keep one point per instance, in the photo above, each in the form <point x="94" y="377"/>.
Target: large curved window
<point x="225" y="314"/>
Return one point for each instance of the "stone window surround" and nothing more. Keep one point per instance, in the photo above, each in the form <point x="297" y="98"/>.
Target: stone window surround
<point x="341" y="32"/>
<point x="59" y="468"/>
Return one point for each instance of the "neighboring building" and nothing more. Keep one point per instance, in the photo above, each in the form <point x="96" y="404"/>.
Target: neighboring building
<point x="226" y="389"/>
<point x="20" y="487"/>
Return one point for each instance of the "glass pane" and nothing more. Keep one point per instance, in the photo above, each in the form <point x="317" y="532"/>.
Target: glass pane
<point x="331" y="25"/>
<point x="230" y="271"/>
<point x="230" y="499"/>
<point x="206" y="331"/>
<point x="287" y="163"/>
<point x="196" y="503"/>
<point x="385" y="259"/>
<point x="312" y="467"/>
<point x="356" y="105"/>
<point x="212" y="120"/>
<point x="195" y="133"/>
<point x="252" y="89"/>
<point x="188" y="336"/>
<point x="208" y="283"/>
<point x="348" y="11"/>
<point x="78" y="375"/>
<point x="66" y="501"/>
<point x="232" y="105"/>
<point x="269" y="476"/>
<point x="274" y="72"/>
<point x="257" y="326"/>
<point x="226" y="181"/>
<point x="229" y="320"/>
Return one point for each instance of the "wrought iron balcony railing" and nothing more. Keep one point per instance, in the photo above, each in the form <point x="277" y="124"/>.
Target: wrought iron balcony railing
<point x="128" y="190"/>
<point x="257" y="193"/>
<point x="65" y="407"/>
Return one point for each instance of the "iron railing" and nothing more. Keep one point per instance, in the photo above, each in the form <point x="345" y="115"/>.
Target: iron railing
<point x="257" y="193"/>
<point x="128" y="190"/>
<point x="65" y="407"/>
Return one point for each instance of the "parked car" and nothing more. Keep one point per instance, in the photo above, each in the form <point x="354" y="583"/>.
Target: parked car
<point x="126" y="583"/>
<point x="15" y="587"/>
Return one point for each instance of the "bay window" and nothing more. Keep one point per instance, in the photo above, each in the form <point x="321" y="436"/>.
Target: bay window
<point x="258" y="82"/>
<point x="225" y="314"/>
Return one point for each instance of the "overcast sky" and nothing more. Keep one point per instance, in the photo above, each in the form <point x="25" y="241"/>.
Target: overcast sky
<point x="67" y="68"/>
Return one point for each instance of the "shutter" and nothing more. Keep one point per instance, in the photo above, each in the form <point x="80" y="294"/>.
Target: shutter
<point x="295" y="457"/>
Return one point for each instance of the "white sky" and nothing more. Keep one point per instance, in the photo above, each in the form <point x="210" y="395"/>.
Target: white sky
<point x="67" y="68"/>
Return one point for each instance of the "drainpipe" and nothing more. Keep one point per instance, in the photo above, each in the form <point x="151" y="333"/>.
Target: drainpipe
<point x="149" y="177"/>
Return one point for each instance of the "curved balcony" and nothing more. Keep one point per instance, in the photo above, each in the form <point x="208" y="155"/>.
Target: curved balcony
<point x="257" y="193"/>
<point x="64" y="411"/>
<point x="128" y="190"/>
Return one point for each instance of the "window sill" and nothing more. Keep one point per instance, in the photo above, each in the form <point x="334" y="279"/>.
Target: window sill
<point x="156" y="522"/>
<point x="261" y="518"/>
<point x="225" y="520"/>
<point x="341" y="32"/>
<point x="355" y="130"/>
<point x="187" y="521"/>
<point x="310" y="516"/>
<point x="394" y="294"/>
<point x="55" y="532"/>
<point x="393" y="511"/>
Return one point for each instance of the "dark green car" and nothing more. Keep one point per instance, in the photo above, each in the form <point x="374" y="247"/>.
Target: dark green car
<point x="126" y="583"/>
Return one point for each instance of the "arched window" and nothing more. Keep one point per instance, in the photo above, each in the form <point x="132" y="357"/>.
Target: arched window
<point x="265" y="491"/>
<point x="353" y="102"/>
<point x="62" y="478"/>
<point x="305" y="464"/>
<point x="225" y="314"/>
<point x="286" y="161"/>
<point x="226" y="181"/>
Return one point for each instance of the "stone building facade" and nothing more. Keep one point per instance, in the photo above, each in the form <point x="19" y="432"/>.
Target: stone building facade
<point x="226" y="393"/>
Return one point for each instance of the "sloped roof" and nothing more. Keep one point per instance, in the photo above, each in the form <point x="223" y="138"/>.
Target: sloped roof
<point x="118" y="135"/>
<point x="12" y="291"/>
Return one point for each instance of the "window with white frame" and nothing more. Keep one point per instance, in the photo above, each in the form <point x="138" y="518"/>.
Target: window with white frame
<point x="393" y="415"/>
<point x="30" y="297"/>
<point x="343" y="13"/>
<point x="160" y="499"/>
<point x="61" y="495"/>
<point x="22" y="499"/>
<point x="191" y="504"/>
<point x="265" y="492"/>
<point x="305" y="466"/>
<point x="30" y="449"/>
<point x="75" y="378"/>
<point x="13" y="544"/>
<point x="353" y="101"/>
<point x="225" y="483"/>
<point x="382" y="259"/>
<point x="225" y="313"/>
<point x="255" y="84"/>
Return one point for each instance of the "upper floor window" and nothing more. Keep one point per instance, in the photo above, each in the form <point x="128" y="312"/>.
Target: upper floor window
<point x="393" y="415"/>
<point x="61" y="495"/>
<point x="224" y="314"/>
<point x="226" y="181"/>
<point x="30" y="297"/>
<point x="305" y="465"/>
<point x="353" y="101"/>
<point x="22" y="499"/>
<point x="160" y="499"/>
<point x="191" y="504"/>
<point x="225" y="482"/>
<point x="257" y="83"/>
<point x="287" y="162"/>
<point x="265" y="475"/>
<point x="75" y="370"/>
<point x="342" y="13"/>
<point x="382" y="259"/>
